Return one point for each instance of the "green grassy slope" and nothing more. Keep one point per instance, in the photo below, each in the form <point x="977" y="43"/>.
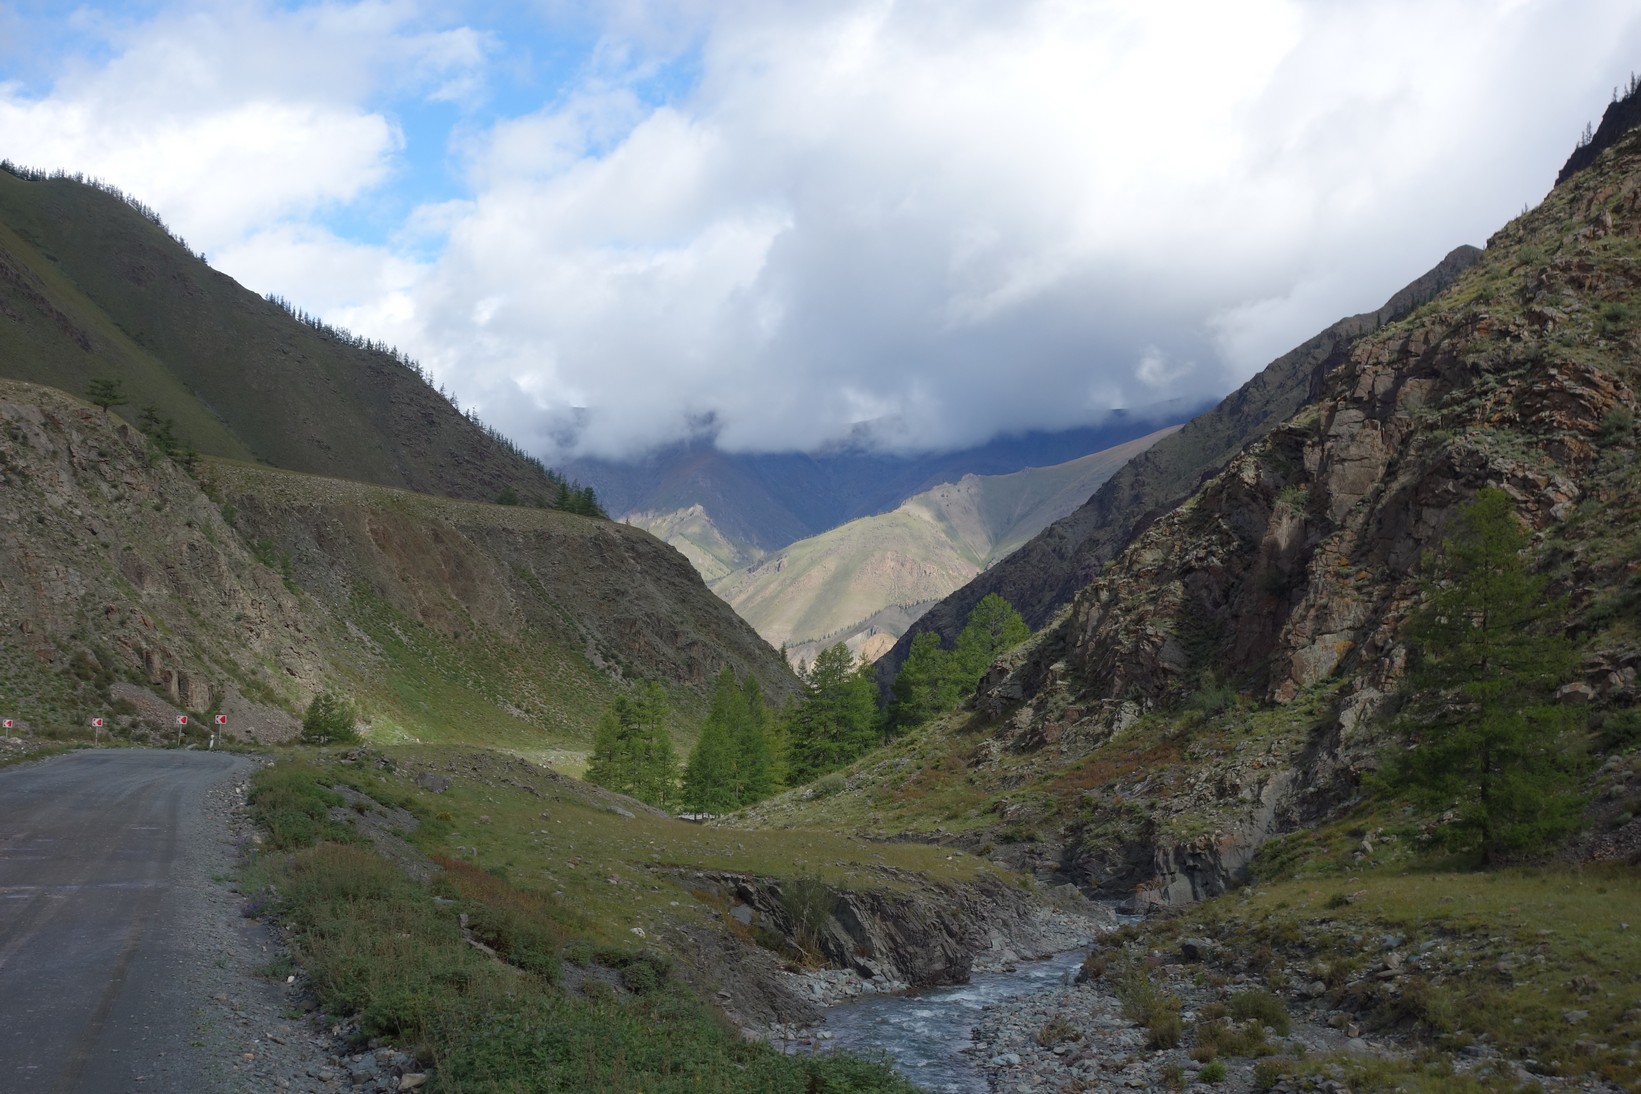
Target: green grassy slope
<point x="92" y="287"/>
<point x="248" y="589"/>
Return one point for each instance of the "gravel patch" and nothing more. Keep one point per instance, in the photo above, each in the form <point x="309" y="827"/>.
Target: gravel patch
<point x="252" y="1033"/>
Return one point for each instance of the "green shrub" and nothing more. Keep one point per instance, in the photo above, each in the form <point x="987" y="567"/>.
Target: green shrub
<point x="1148" y="1005"/>
<point x="330" y="719"/>
<point x="294" y="809"/>
<point x="1221" y="1037"/>
<point x="1212" y="1072"/>
<point x="1269" y="1072"/>
<point x="808" y="903"/>
<point x="1264" y="1006"/>
<point x="827" y="785"/>
<point x="1616" y="427"/>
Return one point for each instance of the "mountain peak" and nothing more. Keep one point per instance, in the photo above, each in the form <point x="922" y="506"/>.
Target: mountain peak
<point x="1622" y="115"/>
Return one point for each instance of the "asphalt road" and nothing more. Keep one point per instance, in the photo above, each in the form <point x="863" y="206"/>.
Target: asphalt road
<point x="100" y="864"/>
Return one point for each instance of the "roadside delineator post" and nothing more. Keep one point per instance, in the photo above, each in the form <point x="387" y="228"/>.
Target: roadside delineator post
<point x="217" y="723"/>
<point x="182" y="722"/>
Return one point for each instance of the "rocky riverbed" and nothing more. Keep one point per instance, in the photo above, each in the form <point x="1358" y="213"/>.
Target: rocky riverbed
<point x="1078" y="1037"/>
<point x="1082" y="1037"/>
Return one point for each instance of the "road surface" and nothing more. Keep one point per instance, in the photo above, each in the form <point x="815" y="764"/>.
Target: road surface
<point x="104" y="855"/>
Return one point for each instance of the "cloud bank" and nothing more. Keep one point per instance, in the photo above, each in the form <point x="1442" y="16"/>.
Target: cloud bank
<point x="610" y="228"/>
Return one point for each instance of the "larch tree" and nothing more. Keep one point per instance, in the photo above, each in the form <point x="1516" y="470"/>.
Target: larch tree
<point x="836" y="717"/>
<point x="632" y="750"/>
<point x="1489" y="743"/>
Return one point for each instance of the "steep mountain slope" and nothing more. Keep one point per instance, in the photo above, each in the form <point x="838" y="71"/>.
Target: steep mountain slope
<point x="124" y="580"/>
<point x="762" y="502"/>
<point x="1041" y="577"/>
<point x="838" y="586"/>
<point x="692" y="532"/>
<point x="1228" y="678"/>
<point x="92" y="286"/>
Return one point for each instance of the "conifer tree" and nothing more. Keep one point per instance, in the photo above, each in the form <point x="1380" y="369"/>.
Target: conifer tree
<point x="105" y="392"/>
<point x="992" y="627"/>
<point x="734" y="761"/>
<point x="934" y="679"/>
<point x="925" y="685"/>
<point x="712" y="777"/>
<point x="1489" y="742"/>
<point x="632" y="750"/>
<point x="836" y="718"/>
<point x="755" y="747"/>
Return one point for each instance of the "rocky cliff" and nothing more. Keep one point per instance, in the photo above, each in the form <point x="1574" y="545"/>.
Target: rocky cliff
<point x="1287" y="578"/>
<point x="903" y="932"/>
<point x="129" y="585"/>
<point x="1042" y="576"/>
<point x="1227" y="678"/>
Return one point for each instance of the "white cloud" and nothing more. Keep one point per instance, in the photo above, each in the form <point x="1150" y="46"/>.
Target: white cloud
<point x="226" y="118"/>
<point x="960" y="219"/>
<point x="777" y="220"/>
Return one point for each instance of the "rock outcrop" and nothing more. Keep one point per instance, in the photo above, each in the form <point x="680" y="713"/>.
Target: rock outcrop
<point x="916" y="934"/>
<point x="1229" y="676"/>
<point x="133" y="589"/>
<point x="1287" y="578"/>
<point x="1041" y="577"/>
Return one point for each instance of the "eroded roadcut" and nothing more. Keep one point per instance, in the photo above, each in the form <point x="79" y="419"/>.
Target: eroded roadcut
<point x="93" y="926"/>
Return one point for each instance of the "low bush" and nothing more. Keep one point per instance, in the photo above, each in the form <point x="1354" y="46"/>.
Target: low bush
<point x="379" y="947"/>
<point x="1148" y="1005"/>
<point x="1263" y="1006"/>
<point x="294" y="809"/>
<point x="1222" y="1037"/>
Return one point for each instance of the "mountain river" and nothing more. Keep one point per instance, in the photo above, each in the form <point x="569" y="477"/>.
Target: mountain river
<point x="926" y="1032"/>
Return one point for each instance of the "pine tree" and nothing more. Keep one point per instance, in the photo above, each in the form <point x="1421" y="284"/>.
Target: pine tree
<point x="712" y="778"/>
<point x="933" y="680"/>
<point x="836" y="718"/>
<point x="632" y="750"/>
<point x="105" y="392"/>
<point x="992" y="627"/>
<point x="330" y="719"/>
<point x="756" y="751"/>
<point x="734" y="762"/>
<point x="926" y="684"/>
<point x="1489" y="741"/>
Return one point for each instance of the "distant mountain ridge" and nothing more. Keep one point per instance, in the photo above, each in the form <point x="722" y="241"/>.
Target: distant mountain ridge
<point x="864" y="581"/>
<point x="760" y="502"/>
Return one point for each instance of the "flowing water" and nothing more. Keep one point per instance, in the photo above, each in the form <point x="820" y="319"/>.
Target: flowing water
<point x="926" y="1032"/>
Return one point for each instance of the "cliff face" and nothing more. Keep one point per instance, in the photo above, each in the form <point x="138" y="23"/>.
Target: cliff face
<point x="1042" y="576"/>
<point x="1621" y="116"/>
<point x="1228" y="677"/>
<point x="1289" y="575"/>
<point x="130" y="586"/>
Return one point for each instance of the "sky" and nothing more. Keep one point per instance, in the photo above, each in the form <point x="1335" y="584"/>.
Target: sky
<point x="913" y="223"/>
